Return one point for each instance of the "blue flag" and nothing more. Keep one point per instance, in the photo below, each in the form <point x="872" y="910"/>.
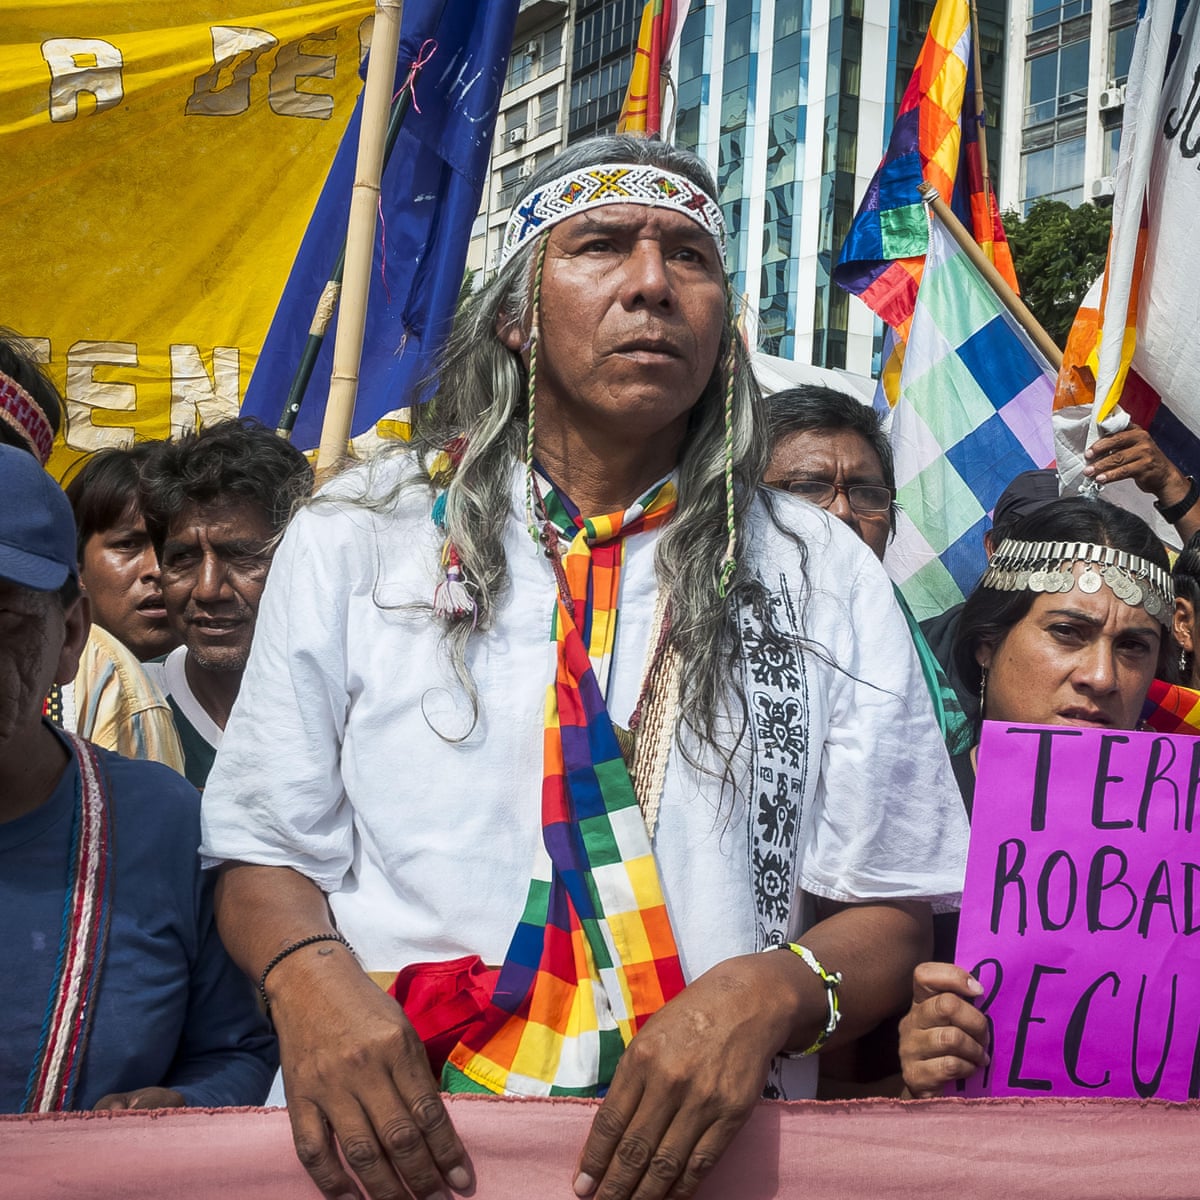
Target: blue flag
<point x="430" y="197"/>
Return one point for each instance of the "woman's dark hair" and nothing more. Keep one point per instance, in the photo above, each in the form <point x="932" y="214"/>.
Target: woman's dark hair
<point x="989" y="614"/>
<point x="106" y="488"/>
<point x="1186" y="577"/>
<point x="18" y="361"/>
<point x="811" y="407"/>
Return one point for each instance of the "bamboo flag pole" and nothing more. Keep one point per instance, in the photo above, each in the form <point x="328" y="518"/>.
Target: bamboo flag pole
<point x="360" y="236"/>
<point x="987" y="269"/>
<point x="980" y="110"/>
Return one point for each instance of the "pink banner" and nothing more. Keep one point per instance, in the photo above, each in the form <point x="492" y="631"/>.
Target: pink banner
<point x="1118" y="1149"/>
<point x="1080" y="910"/>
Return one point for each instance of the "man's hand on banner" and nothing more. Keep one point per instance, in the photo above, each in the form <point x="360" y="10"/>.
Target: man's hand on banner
<point x="693" y="1074"/>
<point x="354" y="1069"/>
<point x="147" y="1097"/>
<point x="944" y="1036"/>
<point x="686" y="1084"/>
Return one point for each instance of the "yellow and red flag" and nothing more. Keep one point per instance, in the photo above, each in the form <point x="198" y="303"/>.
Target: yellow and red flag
<point x="642" y="109"/>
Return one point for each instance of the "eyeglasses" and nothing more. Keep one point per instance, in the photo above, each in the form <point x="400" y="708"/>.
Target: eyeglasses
<point x="862" y="497"/>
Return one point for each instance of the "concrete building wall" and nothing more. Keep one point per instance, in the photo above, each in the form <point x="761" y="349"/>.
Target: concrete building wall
<point x="1066" y="75"/>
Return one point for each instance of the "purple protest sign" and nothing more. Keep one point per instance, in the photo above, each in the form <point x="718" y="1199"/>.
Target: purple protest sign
<point x="1081" y="911"/>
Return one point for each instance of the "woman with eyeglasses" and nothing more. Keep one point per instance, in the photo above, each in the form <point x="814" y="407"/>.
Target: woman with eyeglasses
<point x="827" y="447"/>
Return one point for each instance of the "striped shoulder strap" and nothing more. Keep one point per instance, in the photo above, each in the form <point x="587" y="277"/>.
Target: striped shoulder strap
<point x="86" y="916"/>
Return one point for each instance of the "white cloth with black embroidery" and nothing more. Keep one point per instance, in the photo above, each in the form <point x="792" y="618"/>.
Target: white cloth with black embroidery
<point x="338" y="761"/>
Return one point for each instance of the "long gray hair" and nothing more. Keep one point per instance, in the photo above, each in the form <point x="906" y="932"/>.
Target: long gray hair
<point x="482" y="397"/>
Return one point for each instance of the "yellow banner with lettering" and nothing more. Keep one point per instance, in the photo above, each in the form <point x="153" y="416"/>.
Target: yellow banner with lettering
<point x="161" y="161"/>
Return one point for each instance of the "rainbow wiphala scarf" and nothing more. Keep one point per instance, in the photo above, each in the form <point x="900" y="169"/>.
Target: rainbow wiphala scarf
<point x="594" y="955"/>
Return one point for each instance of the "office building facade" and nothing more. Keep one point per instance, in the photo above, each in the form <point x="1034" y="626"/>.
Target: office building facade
<point x="1066" y="99"/>
<point x="788" y="101"/>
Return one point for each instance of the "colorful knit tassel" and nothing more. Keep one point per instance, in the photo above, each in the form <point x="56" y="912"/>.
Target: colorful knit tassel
<point x="452" y="599"/>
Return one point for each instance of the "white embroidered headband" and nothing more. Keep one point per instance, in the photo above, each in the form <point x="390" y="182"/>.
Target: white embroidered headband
<point x="610" y="183"/>
<point x="1046" y="567"/>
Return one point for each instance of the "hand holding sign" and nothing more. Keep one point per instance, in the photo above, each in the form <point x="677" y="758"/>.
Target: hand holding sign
<point x="944" y="1037"/>
<point x="1080" y="914"/>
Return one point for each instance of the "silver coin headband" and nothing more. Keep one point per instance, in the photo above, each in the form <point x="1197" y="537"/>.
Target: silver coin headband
<point x="1046" y="567"/>
<point x="610" y="183"/>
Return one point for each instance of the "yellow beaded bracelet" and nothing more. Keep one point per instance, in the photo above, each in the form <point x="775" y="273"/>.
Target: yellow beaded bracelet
<point x="832" y="981"/>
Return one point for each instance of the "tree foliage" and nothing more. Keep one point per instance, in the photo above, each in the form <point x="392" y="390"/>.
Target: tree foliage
<point x="1058" y="252"/>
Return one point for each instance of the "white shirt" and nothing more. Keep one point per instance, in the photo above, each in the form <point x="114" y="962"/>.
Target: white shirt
<point x="352" y="755"/>
<point x="171" y="677"/>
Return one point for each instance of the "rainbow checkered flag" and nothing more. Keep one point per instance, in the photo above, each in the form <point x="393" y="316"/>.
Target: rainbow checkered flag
<point x="1170" y="708"/>
<point x="935" y="140"/>
<point x="974" y="411"/>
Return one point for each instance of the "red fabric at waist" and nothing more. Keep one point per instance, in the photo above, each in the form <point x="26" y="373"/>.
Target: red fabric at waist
<point x="442" y="999"/>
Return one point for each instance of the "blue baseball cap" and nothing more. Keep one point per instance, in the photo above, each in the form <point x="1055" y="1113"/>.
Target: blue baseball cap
<point x="37" y="527"/>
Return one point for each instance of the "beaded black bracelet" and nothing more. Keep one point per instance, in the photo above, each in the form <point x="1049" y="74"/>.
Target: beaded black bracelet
<point x="305" y="941"/>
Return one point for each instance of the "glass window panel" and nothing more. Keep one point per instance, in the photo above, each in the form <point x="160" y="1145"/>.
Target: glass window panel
<point x="731" y="160"/>
<point x="547" y="111"/>
<point x="1112" y="148"/>
<point x="733" y="110"/>
<point x="782" y="147"/>
<point x="1120" y="51"/>
<point x="687" y="127"/>
<point x="737" y="38"/>
<point x="787" y="90"/>
<point x="1072" y="78"/>
<point x="1041" y="88"/>
<point x="691" y="60"/>
<point x="1043" y="14"/>
<point x="1068" y="165"/>
<point x="787" y="19"/>
<point x="1037" y="171"/>
<point x="787" y="53"/>
<point x="737" y="74"/>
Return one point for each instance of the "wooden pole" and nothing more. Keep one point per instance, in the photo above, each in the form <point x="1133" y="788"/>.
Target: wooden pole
<point x="980" y="109"/>
<point x="987" y="269"/>
<point x="360" y="235"/>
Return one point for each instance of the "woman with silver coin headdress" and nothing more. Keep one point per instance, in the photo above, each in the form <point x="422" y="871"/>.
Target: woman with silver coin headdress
<point x="1066" y="627"/>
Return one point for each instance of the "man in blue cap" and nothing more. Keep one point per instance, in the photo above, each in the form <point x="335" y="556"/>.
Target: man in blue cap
<point x="117" y="992"/>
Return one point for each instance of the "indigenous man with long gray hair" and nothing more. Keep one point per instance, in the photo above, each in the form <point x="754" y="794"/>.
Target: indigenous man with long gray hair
<point x="567" y="721"/>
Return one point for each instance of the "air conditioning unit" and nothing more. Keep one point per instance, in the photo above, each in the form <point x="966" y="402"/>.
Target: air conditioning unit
<point x="1112" y="97"/>
<point x="526" y="171"/>
<point x="1102" y="188"/>
<point x="534" y="48"/>
<point x="516" y="136"/>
